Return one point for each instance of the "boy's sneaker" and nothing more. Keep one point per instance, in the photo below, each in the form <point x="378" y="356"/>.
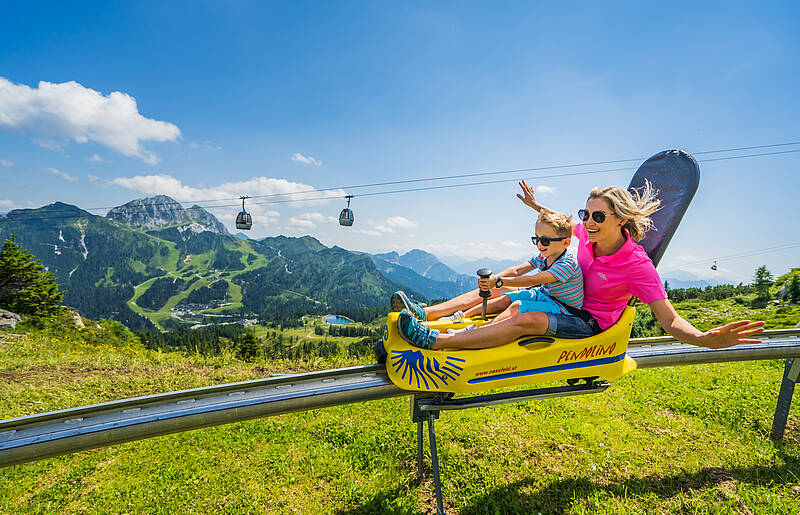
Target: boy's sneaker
<point x="456" y="331"/>
<point x="400" y="301"/>
<point x="456" y="317"/>
<point x="414" y="332"/>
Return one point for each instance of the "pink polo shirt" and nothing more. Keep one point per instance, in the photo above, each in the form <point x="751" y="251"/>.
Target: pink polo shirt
<point x="610" y="281"/>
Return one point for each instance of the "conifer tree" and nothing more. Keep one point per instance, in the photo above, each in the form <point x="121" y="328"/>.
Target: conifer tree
<point x="248" y="347"/>
<point x="762" y="280"/>
<point x="26" y="287"/>
<point x="794" y="290"/>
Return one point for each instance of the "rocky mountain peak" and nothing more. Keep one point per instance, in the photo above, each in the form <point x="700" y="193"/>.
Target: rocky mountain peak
<point x="163" y="211"/>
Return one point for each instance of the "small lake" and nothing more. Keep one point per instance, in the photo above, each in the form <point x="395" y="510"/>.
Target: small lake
<point x="336" y="320"/>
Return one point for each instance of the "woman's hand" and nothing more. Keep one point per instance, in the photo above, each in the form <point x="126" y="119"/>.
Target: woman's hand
<point x="717" y="338"/>
<point x="527" y="197"/>
<point x="731" y="334"/>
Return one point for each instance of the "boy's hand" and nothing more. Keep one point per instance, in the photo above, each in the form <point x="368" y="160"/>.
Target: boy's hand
<point x="527" y="197"/>
<point x="488" y="283"/>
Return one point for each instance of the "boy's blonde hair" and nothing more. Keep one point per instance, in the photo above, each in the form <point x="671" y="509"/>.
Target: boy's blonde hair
<point x="635" y="206"/>
<point x="561" y="223"/>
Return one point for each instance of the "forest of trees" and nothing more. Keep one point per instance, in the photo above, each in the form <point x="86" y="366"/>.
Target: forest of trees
<point x="722" y="291"/>
<point x="275" y="344"/>
<point x="160" y="291"/>
<point x="216" y="291"/>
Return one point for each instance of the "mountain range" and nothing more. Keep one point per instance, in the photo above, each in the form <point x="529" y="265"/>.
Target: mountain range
<point x="150" y="261"/>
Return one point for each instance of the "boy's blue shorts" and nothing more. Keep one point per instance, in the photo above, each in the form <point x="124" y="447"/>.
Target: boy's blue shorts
<point x="534" y="300"/>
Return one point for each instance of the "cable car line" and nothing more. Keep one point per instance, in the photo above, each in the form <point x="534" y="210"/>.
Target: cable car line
<point x="772" y="145"/>
<point x="768" y="250"/>
<point x="388" y="192"/>
<point x="428" y="188"/>
<point x="749" y="155"/>
<point x="541" y="168"/>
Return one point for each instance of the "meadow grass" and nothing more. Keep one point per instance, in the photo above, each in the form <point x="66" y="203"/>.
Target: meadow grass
<point x="671" y="440"/>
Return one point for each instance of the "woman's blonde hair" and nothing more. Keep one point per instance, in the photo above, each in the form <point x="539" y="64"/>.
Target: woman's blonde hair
<point x="634" y="205"/>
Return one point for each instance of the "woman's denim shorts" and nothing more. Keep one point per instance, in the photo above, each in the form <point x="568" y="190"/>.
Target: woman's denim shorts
<point x="567" y="326"/>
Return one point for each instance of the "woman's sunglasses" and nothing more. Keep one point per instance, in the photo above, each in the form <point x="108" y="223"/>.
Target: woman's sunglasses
<point x="597" y="216"/>
<point x="544" y="240"/>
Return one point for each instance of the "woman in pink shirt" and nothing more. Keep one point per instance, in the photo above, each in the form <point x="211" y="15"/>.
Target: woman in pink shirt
<point x="614" y="269"/>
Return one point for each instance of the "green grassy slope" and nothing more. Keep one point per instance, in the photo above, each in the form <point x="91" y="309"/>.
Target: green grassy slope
<point x="688" y="440"/>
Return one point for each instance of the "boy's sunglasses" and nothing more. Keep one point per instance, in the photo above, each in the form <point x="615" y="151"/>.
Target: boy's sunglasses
<point x="597" y="216"/>
<point x="544" y="240"/>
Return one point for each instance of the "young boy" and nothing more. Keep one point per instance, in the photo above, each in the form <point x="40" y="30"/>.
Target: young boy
<point x="558" y="285"/>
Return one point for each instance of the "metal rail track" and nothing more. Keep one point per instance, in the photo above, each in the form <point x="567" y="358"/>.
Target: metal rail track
<point x="44" y="435"/>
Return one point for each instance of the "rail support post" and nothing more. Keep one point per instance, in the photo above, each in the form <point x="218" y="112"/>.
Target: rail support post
<point x="420" y="451"/>
<point x="421" y="417"/>
<point x="437" y="483"/>
<point x="791" y="371"/>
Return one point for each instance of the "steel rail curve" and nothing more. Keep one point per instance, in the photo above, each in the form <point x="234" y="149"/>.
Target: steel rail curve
<point x="54" y="433"/>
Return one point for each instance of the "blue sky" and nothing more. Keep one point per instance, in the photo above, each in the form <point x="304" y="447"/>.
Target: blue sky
<point x="206" y="100"/>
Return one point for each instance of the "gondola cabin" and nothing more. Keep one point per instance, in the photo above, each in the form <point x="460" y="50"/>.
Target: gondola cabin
<point x="243" y="219"/>
<point x="346" y="217"/>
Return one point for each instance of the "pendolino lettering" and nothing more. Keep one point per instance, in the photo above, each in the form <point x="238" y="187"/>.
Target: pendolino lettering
<point x="587" y="352"/>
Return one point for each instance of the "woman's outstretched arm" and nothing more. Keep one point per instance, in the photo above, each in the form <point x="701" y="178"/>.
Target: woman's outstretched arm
<point x="529" y="200"/>
<point x="717" y="338"/>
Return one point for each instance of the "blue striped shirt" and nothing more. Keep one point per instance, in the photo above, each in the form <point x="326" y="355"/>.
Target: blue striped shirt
<point x="568" y="287"/>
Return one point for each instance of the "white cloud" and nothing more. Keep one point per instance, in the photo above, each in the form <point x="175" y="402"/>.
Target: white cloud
<point x="368" y="232"/>
<point x="301" y="223"/>
<point x="59" y="113"/>
<point x="400" y="221"/>
<point x="310" y="220"/>
<point x="49" y="144"/>
<point x="93" y="178"/>
<point x="472" y="250"/>
<point x="6" y="163"/>
<point x="544" y="190"/>
<point x="206" y="144"/>
<point x="97" y="159"/>
<point x="509" y="243"/>
<point x="63" y="175"/>
<point x="6" y="204"/>
<point x="300" y="158"/>
<point x="269" y="189"/>
<point x="375" y="228"/>
<point x="275" y="190"/>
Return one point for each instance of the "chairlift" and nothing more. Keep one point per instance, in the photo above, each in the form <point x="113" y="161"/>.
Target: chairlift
<point x="714" y="266"/>
<point x="346" y="217"/>
<point x="243" y="219"/>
